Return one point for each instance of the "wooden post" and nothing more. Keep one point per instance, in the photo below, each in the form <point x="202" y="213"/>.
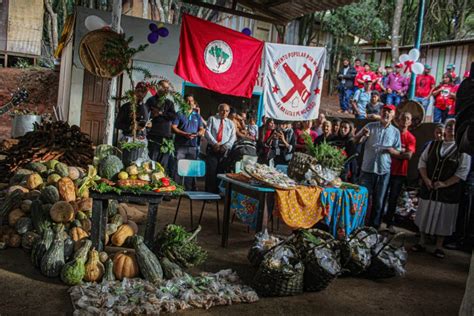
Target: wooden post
<point x="110" y="115"/>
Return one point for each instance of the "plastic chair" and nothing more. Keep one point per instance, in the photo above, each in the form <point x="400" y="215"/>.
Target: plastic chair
<point x="196" y="168"/>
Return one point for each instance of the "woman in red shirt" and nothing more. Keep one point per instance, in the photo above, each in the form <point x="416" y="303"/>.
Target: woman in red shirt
<point x="378" y="85"/>
<point x="444" y="99"/>
<point x="300" y="140"/>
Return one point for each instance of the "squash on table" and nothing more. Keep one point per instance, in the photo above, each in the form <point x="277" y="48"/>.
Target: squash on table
<point x="61" y="169"/>
<point x="49" y="194"/>
<point x="147" y="261"/>
<point x="14" y="216"/>
<point x="109" y="167"/>
<point x="83" y="250"/>
<point x="41" y="246"/>
<point x="33" y="181"/>
<point x="62" y="212"/>
<point x="125" y="265"/>
<point x="78" y="233"/>
<point x="73" y="272"/>
<point x="122" y="233"/>
<point x="67" y="189"/>
<point x="39" y="217"/>
<point x="53" y="260"/>
<point x="109" y="271"/>
<point x="28" y="240"/>
<point x="94" y="268"/>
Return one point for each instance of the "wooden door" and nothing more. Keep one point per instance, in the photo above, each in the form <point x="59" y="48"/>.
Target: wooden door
<point x="94" y="106"/>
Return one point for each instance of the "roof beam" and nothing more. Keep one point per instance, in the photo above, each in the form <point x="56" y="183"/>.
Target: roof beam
<point x="234" y="12"/>
<point x="271" y="3"/>
<point x="262" y="9"/>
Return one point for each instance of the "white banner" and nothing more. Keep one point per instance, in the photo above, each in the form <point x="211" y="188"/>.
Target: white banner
<point x="293" y="81"/>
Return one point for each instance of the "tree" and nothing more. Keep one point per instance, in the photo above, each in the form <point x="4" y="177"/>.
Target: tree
<point x="395" y="40"/>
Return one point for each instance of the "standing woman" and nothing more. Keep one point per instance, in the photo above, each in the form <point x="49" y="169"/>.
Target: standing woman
<point x="444" y="98"/>
<point x="442" y="168"/>
<point x="265" y="139"/>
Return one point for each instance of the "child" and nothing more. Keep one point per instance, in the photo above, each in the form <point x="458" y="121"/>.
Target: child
<point x="252" y="128"/>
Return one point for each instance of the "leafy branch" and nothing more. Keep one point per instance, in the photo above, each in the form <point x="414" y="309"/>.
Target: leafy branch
<point x="326" y="155"/>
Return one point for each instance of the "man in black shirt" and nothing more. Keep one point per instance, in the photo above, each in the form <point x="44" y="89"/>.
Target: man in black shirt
<point x="162" y="114"/>
<point x="124" y="120"/>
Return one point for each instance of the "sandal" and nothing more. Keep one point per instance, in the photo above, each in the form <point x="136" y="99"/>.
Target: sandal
<point x="418" y="248"/>
<point x="438" y="253"/>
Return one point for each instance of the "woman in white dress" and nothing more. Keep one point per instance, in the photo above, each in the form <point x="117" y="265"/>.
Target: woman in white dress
<point x="441" y="168"/>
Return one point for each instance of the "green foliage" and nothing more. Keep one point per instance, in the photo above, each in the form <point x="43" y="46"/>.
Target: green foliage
<point x="167" y="147"/>
<point x="22" y="63"/>
<point x="117" y="53"/>
<point x="219" y="54"/>
<point x="132" y="145"/>
<point x="327" y="156"/>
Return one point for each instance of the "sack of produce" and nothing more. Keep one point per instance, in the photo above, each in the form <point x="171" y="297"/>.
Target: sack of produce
<point x="280" y="273"/>
<point x="263" y="243"/>
<point x="388" y="260"/>
<point x="361" y="243"/>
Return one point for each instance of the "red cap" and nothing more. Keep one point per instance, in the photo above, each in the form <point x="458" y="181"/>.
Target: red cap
<point x="390" y="107"/>
<point x="399" y="65"/>
<point x="467" y="74"/>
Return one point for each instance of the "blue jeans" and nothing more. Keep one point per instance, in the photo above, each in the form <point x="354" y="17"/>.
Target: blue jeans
<point x="439" y="116"/>
<point x="377" y="186"/>
<point x="394" y="189"/>
<point x="393" y="98"/>
<point x="345" y="98"/>
<point x="360" y="117"/>
<point x="423" y="101"/>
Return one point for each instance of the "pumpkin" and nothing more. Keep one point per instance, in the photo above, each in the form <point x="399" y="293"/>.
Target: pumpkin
<point x="86" y="224"/>
<point x="53" y="179"/>
<point x="73" y="272"/>
<point x="41" y="246"/>
<point x="94" y="268"/>
<point x="61" y="169"/>
<point x="62" y="212"/>
<point x="14" y="216"/>
<point x="83" y="250"/>
<point x="68" y="247"/>
<point x="51" y="164"/>
<point x="53" y="260"/>
<point x="67" y="189"/>
<point x="109" y="271"/>
<point x="78" y="233"/>
<point x="85" y="204"/>
<point x="40" y="217"/>
<point x="103" y="256"/>
<point x="14" y="241"/>
<point x="37" y="167"/>
<point x="33" y="181"/>
<point x="28" y="239"/>
<point x="23" y="225"/>
<point x="73" y="173"/>
<point x="109" y="167"/>
<point x="125" y="265"/>
<point x="122" y="233"/>
<point x="49" y="194"/>
<point x="134" y="226"/>
<point x="147" y="261"/>
<point x="25" y="206"/>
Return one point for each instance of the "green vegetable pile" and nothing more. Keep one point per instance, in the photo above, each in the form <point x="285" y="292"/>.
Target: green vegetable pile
<point x="180" y="246"/>
<point x="327" y="156"/>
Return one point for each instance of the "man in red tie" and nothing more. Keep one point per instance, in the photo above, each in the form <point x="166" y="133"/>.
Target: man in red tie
<point x="220" y="135"/>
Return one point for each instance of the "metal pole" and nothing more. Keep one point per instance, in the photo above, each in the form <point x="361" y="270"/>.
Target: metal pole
<point x="418" y="38"/>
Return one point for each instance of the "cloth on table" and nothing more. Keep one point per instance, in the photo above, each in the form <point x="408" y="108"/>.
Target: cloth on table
<point x="299" y="208"/>
<point x="245" y="208"/>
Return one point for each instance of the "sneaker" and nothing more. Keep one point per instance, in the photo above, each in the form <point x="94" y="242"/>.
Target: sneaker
<point x="391" y="229"/>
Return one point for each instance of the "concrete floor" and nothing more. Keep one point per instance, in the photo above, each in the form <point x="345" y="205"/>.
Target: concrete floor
<point x="431" y="286"/>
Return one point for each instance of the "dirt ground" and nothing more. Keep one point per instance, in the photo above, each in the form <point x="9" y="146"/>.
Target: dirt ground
<point x="431" y="286"/>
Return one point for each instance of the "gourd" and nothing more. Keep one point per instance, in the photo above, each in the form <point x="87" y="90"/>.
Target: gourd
<point x="25" y="206"/>
<point x="14" y="241"/>
<point x="103" y="256"/>
<point x="68" y="247"/>
<point x="51" y="164"/>
<point x="73" y="173"/>
<point x="14" y="216"/>
<point x="53" y="178"/>
<point x="109" y="271"/>
<point x="123" y="212"/>
<point x="61" y="169"/>
<point x="39" y="217"/>
<point x="109" y="167"/>
<point x="125" y="265"/>
<point x="33" y="181"/>
<point x="77" y="233"/>
<point x="83" y="250"/>
<point x="62" y="212"/>
<point x="80" y="215"/>
<point x="37" y="167"/>
<point x="111" y="229"/>
<point x="73" y="272"/>
<point x="134" y="226"/>
<point x="39" y="248"/>
<point x="29" y="239"/>
<point x="50" y="194"/>
<point x="11" y="201"/>
<point x="53" y="260"/>
<point x="32" y="195"/>
<point x="94" y="268"/>
<point x="147" y="261"/>
<point x="112" y="208"/>
<point x="117" y="220"/>
<point x="85" y="204"/>
<point x="86" y="224"/>
<point x="17" y="187"/>
<point x="122" y="233"/>
<point x="67" y="189"/>
<point x="23" y="225"/>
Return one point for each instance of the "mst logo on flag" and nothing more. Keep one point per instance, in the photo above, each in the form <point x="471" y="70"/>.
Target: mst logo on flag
<point x="218" y="58"/>
<point x="293" y="81"/>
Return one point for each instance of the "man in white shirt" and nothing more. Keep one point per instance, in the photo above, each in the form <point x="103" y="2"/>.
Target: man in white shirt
<point x="220" y="135"/>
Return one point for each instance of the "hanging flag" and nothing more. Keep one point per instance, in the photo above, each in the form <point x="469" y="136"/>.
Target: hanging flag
<point x="293" y="81"/>
<point x="218" y="58"/>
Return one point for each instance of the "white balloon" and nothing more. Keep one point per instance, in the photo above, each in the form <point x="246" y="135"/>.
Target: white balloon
<point x="414" y="54"/>
<point x="417" y="68"/>
<point x="93" y="22"/>
<point x="403" y="58"/>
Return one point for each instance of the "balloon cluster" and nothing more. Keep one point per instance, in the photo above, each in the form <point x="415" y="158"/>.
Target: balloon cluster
<point x="156" y="32"/>
<point x="410" y="63"/>
<point x="247" y="31"/>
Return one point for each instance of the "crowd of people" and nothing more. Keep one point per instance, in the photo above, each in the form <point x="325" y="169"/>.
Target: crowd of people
<point x="363" y="91"/>
<point x="383" y="149"/>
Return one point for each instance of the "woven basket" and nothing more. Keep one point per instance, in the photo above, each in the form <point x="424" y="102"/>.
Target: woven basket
<point x="378" y="269"/>
<point x="316" y="278"/>
<point x="299" y="165"/>
<point x="352" y="265"/>
<point x="256" y="255"/>
<point x="302" y="244"/>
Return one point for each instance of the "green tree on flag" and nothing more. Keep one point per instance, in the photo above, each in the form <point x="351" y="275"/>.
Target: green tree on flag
<point x="220" y="56"/>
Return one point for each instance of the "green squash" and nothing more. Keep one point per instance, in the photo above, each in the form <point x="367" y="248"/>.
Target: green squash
<point x="23" y="225"/>
<point x="68" y="247"/>
<point x="12" y="201"/>
<point x="37" y="167"/>
<point x="61" y="169"/>
<point x="39" y="217"/>
<point x="49" y="194"/>
<point x="109" y="271"/>
<point x="53" y="260"/>
<point x="147" y="261"/>
<point x="41" y="246"/>
<point x="53" y="178"/>
<point x="51" y="164"/>
<point x="109" y="167"/>
<point x="84" y="250"/>
<point x="117" y="219"/>
<point x="29" y="239"/>
<point x="73" y="272"/>
<point x="112" y="208"/>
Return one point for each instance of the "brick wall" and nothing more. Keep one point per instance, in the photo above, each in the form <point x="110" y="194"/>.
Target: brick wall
<point x="42" y="86"/>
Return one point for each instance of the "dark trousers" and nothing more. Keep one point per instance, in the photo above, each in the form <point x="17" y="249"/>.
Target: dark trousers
<point x="377" y="186"/>
<point x="395" y="186"/>
<point x="154" y="151"/>
<point x="213" y="167"/>
<point x="185" y="153"/>
<point x="345" y="95"/>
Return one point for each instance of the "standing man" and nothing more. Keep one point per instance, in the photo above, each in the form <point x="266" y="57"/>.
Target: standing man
<point x="424" y="87"/>
<point x="363" y="75"/>
<point x="358" y="65"/>
<point x="346" y="78"/>
<point x="382" y="140"/>
<point x="220" y="136"/>
<point x="188" y="128"/>
<point x="397" y="86"/>
<point x="160" y="139"/>
<point x="399" y="170"/>
<point x="361" y="100"/>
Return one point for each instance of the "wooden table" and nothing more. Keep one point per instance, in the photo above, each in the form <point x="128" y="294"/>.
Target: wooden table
<point x="99" y="214"/>
<point x="258" y="192"/>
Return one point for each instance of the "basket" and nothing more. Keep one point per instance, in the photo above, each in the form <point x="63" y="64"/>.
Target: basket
<point x="302" y="244"/>
<point x="299" y="165"/>
<point x="378" y="268"/>
<point x="353" y="264"/>
<point x="317" y="278"/>
<point x="256" y="255"/>
<point x="272" y="282"/>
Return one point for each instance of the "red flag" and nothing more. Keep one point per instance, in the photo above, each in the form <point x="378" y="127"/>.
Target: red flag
<point x="218" y="58"/>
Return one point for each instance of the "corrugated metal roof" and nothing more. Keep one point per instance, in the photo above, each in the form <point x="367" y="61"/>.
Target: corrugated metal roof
<point x="432" y="44"/>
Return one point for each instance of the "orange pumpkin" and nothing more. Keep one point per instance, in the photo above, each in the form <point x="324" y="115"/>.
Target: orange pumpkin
<point x="94" y="268"/>
<point x="122" y="233"/>
<point x="67" y="189"/>
<point x="62" y="212"/>
<point x="77" y="233"/>
<point x="125" y="265"/>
